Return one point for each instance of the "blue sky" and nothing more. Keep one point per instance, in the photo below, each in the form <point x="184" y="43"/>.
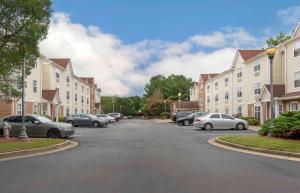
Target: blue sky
<point x="122" y="43"/>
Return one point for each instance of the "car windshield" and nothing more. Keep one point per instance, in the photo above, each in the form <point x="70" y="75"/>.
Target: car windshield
<point x="93" y="116"/>
<point x="43" y="119"/>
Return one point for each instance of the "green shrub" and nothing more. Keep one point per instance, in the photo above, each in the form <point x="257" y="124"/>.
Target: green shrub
<point x="287" y="125"/>
<point x="61" y="118"/>
<point x="251" y="120"/>
<point x="165" y="115"/>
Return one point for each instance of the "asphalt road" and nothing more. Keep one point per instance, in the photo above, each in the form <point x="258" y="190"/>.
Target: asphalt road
<point x="138" y="156"/>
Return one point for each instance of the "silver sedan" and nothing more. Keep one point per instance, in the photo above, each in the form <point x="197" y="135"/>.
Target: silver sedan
<point x="220" y="121"/>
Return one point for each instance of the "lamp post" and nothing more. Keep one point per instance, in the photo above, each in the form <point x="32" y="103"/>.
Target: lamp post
<point x="113" y="102"/>
<point x="165" y="102"/>
<point x="179" y="95"/>
<point x="23" y="134"/>
<point x="271" y="53"/>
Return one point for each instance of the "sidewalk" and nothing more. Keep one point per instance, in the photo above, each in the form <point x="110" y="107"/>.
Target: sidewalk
<point x="254" y="128"/>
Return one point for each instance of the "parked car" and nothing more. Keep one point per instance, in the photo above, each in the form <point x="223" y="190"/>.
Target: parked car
<point x="180" y="114"/>
<point x="39" y="126"/>
<point x="86" y="120"/>
<point x="117" y="116"/>
<point x="188" y="120"/>
<point x="108" y="117"/>
<point x="220" y="121"/>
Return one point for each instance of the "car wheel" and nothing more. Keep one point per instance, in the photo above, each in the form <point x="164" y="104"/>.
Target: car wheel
<point x="208" y="126"/>
<point x="71" y="122"/>
<point x="240" y="126"/>
<point x="54" y="133"/>
<point x="96" y="124"/>
<point x="186" y="123"/>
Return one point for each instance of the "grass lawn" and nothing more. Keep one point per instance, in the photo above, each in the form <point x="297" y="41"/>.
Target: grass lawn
<point x="14" y="145"/>
<point x="264" y="142"/>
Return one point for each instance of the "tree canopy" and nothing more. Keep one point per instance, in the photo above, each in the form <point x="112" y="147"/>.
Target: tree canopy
<point x="22" y="25"/>
<point x="278" y="39"/>
<point x="125" y="105"/>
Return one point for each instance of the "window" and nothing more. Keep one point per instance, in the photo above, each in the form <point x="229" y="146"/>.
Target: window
<point x="68" y="80"/>
<point x="76" y="97"/>
<point x="34" y="83"/>
<point x="34" y="109"/>
<point x="82" y="99"/>
<point x="208" y="99"/>
<point x="297" y="79"/>
<point x="75" y="111"/>
<point x="256" y="67"/>
<point x="87" y="91"/>
<point x="87" y="100"/>
<point x="57" y="76"/>
<point x="226" y="96"/>
<point x="224" y="116"/>
<point x="280" y="108"/>
<point x="216" y="110"/>
<point x="239" y="92"/>
<point x="257" y="88"/>
<point x="82" y="89"/>
<point x="294" y="106"/>
<point x="87" y="112"/>
<point x="82" y="111"/>
<point x="216" y="85"/>
<point x="239" y="110"/>
<point x="297" y="48"/>
<point x="57" y="89"/>
<point x="76" y="85"/>
<point x="67" y="95"/>
<point x="67" y="112"/>
<point x="239" y="73"/>
<point x="19" y="109"/>
<point x="215" y="116"/>
<point x="257" y="112"/>
<point x="226" y="110"/>
<point x="207" y="88"/>
<point x="217" y="97"/>
<point x="15" y="119"/>
<point x="226" y="81"/>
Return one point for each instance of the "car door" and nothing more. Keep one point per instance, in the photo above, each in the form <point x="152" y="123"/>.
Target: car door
<point x="16" y="124"/>
<point x="86" y="120"/>
<point x="215" y="120"/>
<point x="227" y="121"/>
<point x="33" y="127"/>
<point x="77" y="119"/>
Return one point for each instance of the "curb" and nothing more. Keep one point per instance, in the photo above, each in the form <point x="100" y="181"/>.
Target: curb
<point x="260" y="150"/>
<point x="29" y="152"/>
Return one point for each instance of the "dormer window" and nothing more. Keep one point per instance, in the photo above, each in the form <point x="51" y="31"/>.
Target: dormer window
<point x="297" y="48"/>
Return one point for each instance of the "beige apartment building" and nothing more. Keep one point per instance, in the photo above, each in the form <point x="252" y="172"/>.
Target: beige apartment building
<point x="194" y="92"/>
<point x="54" y="90"/>
<point x="244" y="89"/>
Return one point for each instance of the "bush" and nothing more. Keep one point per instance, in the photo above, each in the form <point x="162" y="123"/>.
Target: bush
<point x="165" y="115"/>
<point x="61" y="118"/>
<point x="251" y="120"/>
<point x="287" y="125"/>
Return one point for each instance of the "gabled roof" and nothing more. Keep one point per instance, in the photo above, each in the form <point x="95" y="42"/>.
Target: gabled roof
<point x="63" y="62"/>
<point x="248" y="54"/>
<point x="278" y="89"/>
<point x="49" y="94"/>
<point x="205" y="77"/>
<point x="90" y="80"/>
<point x="296" y="30"/>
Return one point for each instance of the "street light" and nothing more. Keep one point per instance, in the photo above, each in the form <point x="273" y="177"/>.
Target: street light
<point x="23" y="134"/>
<point x="165" y="102"/>
<point x="271" y="53"/>
<point x="179" y="95"/>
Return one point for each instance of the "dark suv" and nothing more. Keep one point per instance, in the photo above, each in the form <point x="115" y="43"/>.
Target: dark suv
<point x="180" y="114"/>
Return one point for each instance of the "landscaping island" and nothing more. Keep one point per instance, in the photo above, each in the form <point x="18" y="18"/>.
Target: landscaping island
<point x="13" y="144"/>
<point x="269" y="143"/>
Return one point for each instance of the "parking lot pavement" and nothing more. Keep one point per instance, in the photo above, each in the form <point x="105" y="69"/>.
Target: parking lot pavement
<point x="140" y="156"/>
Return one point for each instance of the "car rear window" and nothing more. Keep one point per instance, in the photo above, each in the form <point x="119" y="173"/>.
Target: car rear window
<point x="215" y="116"/>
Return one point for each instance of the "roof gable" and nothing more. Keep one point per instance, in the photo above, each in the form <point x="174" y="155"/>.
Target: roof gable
<point x="248" y="54"/>
<point x="63" y="62"/>
<point x="296" y="31"/>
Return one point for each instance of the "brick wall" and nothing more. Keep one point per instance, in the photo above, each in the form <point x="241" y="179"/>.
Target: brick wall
<point x="5" y="107"/>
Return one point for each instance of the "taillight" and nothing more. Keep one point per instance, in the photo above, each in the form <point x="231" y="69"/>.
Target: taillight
<point x="197" y="120"/>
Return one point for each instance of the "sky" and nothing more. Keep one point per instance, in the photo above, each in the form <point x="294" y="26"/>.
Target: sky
<point x="123" y="43"/>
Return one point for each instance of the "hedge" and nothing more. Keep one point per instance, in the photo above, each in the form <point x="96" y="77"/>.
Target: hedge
<point x="287" y="125"/>
<point x="165" y="115"/>
<point x="251" y="120"/>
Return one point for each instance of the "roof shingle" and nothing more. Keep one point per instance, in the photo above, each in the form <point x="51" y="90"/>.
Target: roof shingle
<point x="49" y="94"/>
<point x="63" y="62"/>
<point x="248" y="54"/>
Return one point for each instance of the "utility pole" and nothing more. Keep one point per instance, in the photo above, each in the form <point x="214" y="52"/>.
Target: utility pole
<point x="23" y="135"/>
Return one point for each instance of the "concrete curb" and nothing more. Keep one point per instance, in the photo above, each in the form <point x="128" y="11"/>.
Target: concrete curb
<point x="261" y="150"/>
<point x="38" y="151"/>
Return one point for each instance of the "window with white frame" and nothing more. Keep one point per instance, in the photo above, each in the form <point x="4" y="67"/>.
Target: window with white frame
<point x="257" y="112"/>
<point x="297" y="48"/>
<point x="34" y="84"/>
<point x="76" y="111"/>
<point x="226" y="80"/>
<point x="67" y="111"/>
<point x="240" y="110"/>
<point x="297" y="79"/>
<point x="217" y="98"/>
<point x="226" y="96"/>
<point x="207" y="88"/>
<point x="82" y="111"/>
<point x="257" y="88"/>
<point x="239" y="73"/>
<point x="293" y="106"/>
<point x="82" y="99"/>
<point x="256" y="67"/>
<point x="87" y="112"/>
<point x="280" y="108"/>
<point x="68" y="80"/>
<point x="19" y="108"/>
<point x="239" y="92"/>
<point x="75" y="97"/>
<point x="57" y="76"/>
<point x="208" y="99"/>
<point x="87" y="100"/>
<point x="216" y="85"/>
<point x="76" y="85"/>
<point x="82" y="88"/>
<point x="67" y="95"/>
<point x="226" y="110"/>
<point x="34" y="109"/>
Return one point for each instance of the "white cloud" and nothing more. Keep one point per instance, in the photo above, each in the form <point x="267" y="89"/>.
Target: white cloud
<point x="290" y="15"/>
<point x="121" y="68"/>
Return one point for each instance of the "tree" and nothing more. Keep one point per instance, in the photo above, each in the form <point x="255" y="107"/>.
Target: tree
<point x="278" y="39"/>
<point x="22" y="25"/>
